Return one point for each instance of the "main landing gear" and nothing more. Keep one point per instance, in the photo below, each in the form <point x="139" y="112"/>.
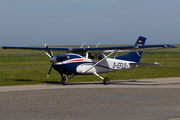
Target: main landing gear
<point x="106" y="80"/>
<point x="65" y="79"/>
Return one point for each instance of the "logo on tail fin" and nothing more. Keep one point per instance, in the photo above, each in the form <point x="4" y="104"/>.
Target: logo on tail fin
<point x="138" y="54"/>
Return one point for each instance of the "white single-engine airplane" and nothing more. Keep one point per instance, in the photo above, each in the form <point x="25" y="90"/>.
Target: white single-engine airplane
<point x="87" y="61"/>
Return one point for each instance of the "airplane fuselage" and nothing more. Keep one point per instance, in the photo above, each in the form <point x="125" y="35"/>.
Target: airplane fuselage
<point x="76" y="64"/>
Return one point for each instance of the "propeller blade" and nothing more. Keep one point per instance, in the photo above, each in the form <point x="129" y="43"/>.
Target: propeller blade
<point x="46" y="53"/>
<point x="49" y="70"/>
<point x="49" y="51"/>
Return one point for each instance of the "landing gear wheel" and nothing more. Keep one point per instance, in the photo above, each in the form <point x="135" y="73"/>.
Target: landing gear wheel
<point x="106" y="81"/>
<point x="64" y="81"/>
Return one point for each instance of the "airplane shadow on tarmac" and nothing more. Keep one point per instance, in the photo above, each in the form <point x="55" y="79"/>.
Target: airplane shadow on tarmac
<point x="28" y="80"/>
<point x="127" y="82"/>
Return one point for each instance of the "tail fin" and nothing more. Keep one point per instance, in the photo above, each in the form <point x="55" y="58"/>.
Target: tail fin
<point x="134" y="56"/>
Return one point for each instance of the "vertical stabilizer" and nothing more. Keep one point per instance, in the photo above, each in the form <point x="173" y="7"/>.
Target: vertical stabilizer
<point x="140" y="41"/>
<point x="134" y="56"/>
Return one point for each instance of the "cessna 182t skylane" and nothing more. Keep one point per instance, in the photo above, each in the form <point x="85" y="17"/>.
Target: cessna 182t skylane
<point x="86" y="61"/>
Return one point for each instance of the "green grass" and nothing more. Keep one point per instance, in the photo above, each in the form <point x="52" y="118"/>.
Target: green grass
<point x="169" y="59"/>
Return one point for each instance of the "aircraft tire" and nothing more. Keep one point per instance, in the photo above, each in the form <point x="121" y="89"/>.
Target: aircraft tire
<point x="64" y="81"/>
<point x="106" y="81"/>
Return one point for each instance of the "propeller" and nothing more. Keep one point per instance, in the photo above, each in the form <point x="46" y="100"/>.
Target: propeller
<point x="49" y="51"/>
<point x="49" y="71"/>
<point x="52" y="58"/>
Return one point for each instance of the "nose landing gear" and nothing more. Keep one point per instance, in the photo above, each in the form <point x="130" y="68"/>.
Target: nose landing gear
<point x="65" y="79"/>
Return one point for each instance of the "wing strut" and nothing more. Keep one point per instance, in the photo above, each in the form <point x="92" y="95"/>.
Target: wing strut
<point x="99" y="62"/>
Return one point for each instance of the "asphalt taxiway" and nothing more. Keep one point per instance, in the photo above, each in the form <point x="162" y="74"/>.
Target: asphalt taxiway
<point x="150" y="99"/>
<point x="141" y="83"/>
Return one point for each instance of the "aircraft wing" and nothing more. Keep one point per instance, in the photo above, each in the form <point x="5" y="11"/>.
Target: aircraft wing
<point x="36" y="48"/>
<point x="128" y="48"/>
<point x="101" y="49"/>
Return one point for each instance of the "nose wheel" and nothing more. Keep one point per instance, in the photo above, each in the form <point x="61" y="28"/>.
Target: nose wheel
<point x="64" y="80"/>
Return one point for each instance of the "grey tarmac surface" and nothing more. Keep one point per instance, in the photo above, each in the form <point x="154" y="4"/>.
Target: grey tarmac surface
<point x="144" y="99"/>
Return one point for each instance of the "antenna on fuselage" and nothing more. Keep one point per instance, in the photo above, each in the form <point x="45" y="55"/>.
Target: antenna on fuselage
<point x="82" y="44"/>
<point x="97" y="44"/>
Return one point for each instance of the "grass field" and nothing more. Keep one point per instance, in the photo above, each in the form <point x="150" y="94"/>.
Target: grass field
<point x="21" y="67"/>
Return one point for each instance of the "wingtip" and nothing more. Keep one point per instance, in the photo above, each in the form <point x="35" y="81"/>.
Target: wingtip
<point x="4" y="47"/>
<point x="169" y="46"/>
<point x="174" y="47"/>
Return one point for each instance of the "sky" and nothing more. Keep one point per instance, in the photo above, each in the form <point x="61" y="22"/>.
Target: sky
<point x="73" y="22"/>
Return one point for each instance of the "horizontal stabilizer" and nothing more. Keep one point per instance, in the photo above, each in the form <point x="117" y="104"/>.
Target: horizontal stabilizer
<point x="134" y="65"/>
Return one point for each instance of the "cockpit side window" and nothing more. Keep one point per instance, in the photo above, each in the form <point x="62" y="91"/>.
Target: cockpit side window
<point x="91" y="55"/>
<point x="95" y="56"/>
<point x="100" y="56"/>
